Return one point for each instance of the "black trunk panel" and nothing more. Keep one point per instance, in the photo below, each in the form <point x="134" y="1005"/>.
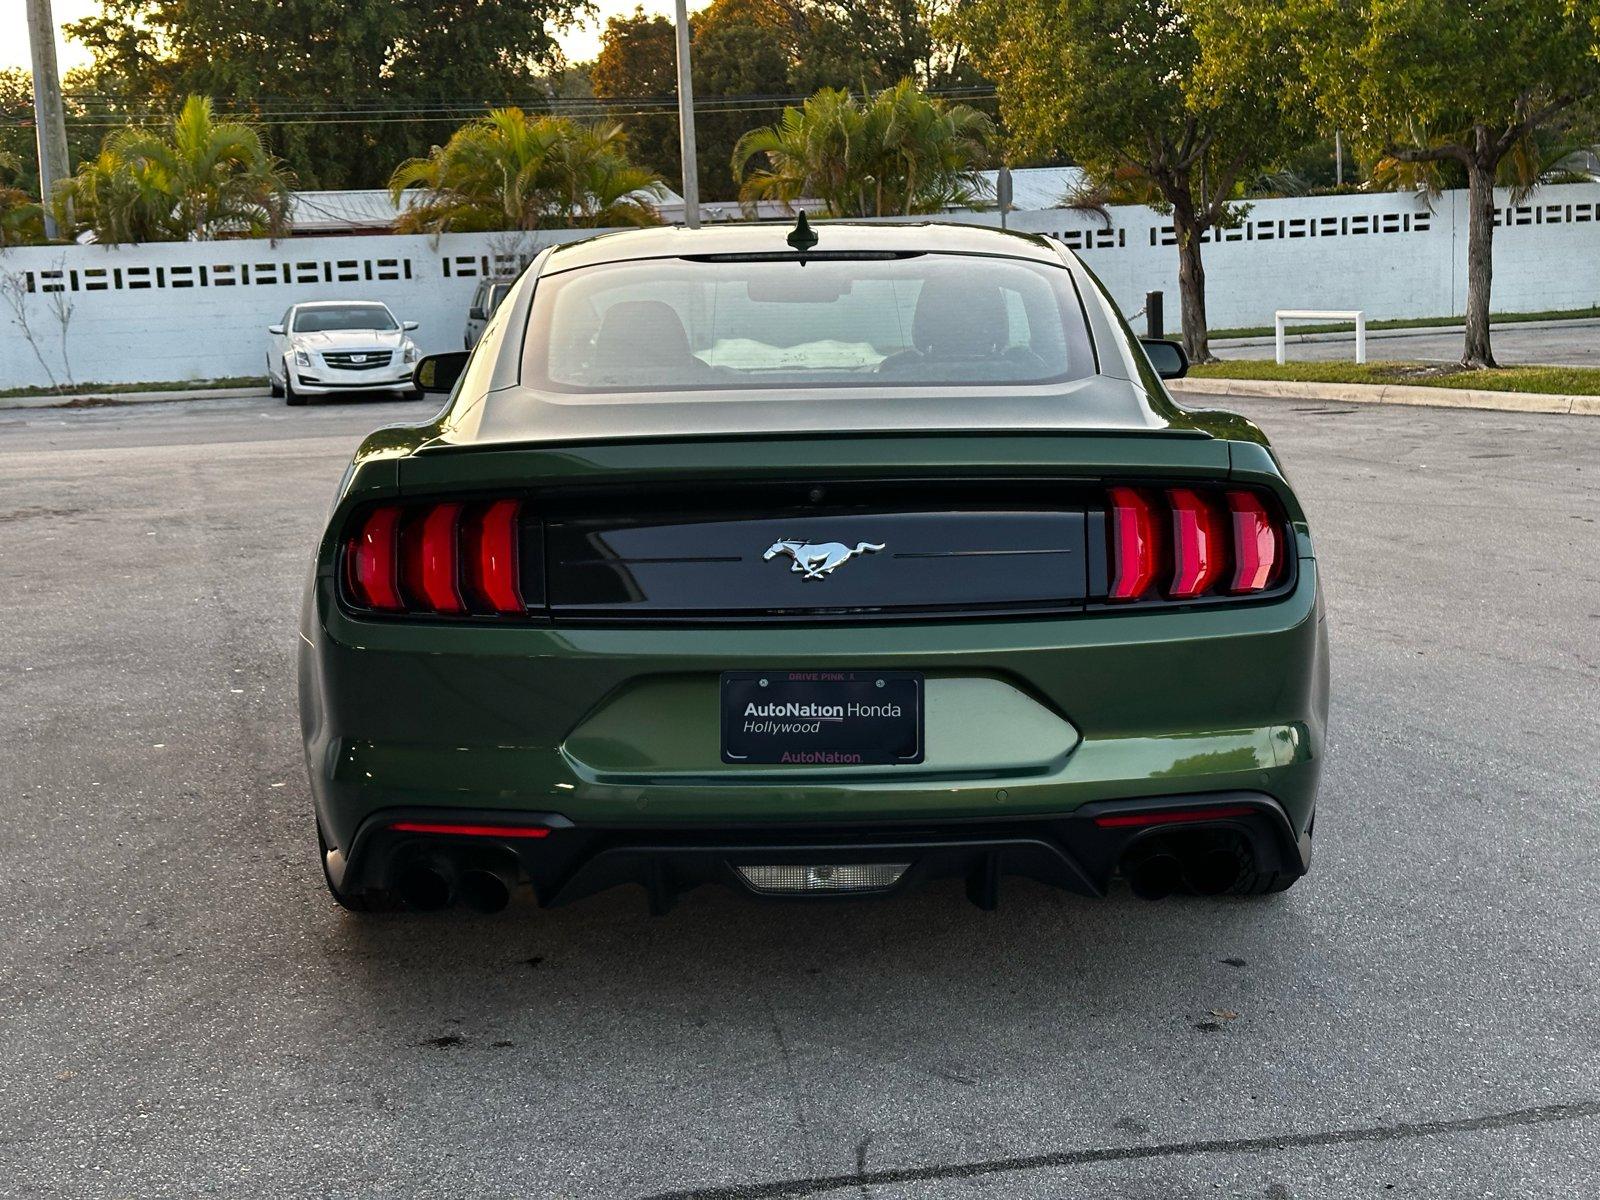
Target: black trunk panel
<point x="816" y="559"/>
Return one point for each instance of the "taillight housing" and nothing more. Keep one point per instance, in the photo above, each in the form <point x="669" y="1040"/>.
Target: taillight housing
<point x="448" y="558"/>
<point x="1190" y="543"/>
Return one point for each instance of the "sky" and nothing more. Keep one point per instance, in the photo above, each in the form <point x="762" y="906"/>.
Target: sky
<point x="580" y="44"/>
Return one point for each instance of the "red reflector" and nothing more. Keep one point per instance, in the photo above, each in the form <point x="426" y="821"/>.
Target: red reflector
<point x="491" y="557"/>
<point x="494" y="831"/>
<point x="1174" y="816"/>
<point x="1255" y="543"/>
<point x="370" y="561"/>
<point x="1196" y="544"/>
<point x="1133" y="544"/>
<point x="430" y="560"/>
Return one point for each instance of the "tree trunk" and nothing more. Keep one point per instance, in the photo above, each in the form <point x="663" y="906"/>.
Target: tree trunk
<point x="1191" y="282"/>
<point x="1480" y="262"/>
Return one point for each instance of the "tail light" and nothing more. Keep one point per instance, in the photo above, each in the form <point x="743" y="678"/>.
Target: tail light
<point x="454" y="559"/>
<point x="1188" y="543"/>
<point x="1133" y="544"/>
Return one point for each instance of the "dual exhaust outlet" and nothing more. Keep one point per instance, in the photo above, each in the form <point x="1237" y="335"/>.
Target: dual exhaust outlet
<point x="1201" y="865"/>
<point x="432" y="883"/>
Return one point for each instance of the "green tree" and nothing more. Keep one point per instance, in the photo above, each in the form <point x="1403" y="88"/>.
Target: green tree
<point x="742" y="50"/>
<point x="21" y="215"/>
<point x="16" y="126"/>
<point x="637" y="69"/>
<point x="1468" y="85"/>
<point x="1175" y="105"/>
<point x="511" y="171"/>
<point x="873" y="44"/>
<point x="198" y="178"/>
<point x="341" y="84"/>
<point x="899" y="153"/>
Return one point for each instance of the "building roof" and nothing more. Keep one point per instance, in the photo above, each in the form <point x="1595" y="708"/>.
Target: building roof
<point x="346" y="211"/>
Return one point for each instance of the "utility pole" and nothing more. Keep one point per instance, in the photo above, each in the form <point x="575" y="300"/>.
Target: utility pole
<point x="691" y="165"/>
<point x="1338" y="158"/>
<point x="48" y="113"/>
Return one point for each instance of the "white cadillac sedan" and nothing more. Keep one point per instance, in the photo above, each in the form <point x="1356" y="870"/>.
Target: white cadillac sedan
<point x="327" y="346"/>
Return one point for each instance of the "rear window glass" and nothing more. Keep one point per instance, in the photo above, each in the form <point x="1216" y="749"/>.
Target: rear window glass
<point x="683" y="325"/>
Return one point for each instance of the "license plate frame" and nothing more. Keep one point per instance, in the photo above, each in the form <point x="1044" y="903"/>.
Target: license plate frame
<point x="823" y="718"/>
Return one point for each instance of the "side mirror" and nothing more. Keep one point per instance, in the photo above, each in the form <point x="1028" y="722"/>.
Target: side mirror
<point x="275" y="329"/>
<point x="439" y="372"/>
<point x="1166" y="357"/>
<point x="408" y="326"/>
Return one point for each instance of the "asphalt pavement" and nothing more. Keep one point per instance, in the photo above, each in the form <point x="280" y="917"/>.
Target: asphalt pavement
<point x="183" y="1011"/>
<point x="1551" y="343"/>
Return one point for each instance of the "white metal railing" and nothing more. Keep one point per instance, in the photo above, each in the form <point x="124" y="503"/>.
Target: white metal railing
<point x="1358" y="315"/>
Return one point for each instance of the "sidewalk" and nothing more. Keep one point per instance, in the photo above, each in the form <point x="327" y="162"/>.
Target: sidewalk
<point x="1374" y="393"/>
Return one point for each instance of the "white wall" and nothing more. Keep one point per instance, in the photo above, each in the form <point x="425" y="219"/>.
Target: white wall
<point x="199" y="310"/>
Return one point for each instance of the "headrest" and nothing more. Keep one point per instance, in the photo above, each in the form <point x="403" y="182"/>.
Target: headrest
<point x="958" y="319"/>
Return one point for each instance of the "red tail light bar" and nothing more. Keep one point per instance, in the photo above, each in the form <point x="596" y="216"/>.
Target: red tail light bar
<point x="1183" y="543"/>
<point x="446" y="829"/>
<point x="1172" y="816"/>
<point x="454" y="559"/>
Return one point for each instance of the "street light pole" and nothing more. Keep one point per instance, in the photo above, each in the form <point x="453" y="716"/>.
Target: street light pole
<point x="691" y="166"/>
<point x="48" y="114"/>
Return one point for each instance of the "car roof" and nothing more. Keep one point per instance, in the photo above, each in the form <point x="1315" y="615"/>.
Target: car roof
<point x="337" y="303"/>
<point x="768" y="237"/>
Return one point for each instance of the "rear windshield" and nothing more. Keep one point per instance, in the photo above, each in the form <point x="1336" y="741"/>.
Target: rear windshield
<point x="343" y="316"/>
<point x="658" y="325"/>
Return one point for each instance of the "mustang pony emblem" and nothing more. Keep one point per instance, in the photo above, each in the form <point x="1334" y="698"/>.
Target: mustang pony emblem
<point x="815" y="560"/>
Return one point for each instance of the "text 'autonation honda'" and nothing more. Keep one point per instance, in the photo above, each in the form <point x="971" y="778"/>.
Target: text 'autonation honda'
<point x="814" y="563"/>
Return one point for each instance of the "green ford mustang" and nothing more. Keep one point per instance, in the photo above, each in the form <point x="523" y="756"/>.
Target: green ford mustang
<point x="814" y="565"/>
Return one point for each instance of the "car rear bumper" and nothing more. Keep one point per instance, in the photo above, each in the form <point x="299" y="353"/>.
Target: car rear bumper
<point x="1080" y="852"/>
<point x="608" y="729"/>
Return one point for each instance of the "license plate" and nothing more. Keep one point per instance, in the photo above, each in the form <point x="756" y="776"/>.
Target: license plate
<point x="822" y="718"/>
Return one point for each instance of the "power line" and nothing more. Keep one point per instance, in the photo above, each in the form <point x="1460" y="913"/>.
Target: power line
<point x="422" y="114"/>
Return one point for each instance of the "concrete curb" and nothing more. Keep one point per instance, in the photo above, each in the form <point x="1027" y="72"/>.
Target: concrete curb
<point x="118" y="399"/>
<point x="1385" y="393"/>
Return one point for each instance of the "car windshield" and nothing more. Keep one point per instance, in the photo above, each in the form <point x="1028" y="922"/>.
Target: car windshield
<point x="896" y="320"/>
<point x="332" y="317"/>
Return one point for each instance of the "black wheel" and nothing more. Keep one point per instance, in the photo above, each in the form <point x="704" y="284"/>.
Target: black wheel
<point x="356" y="902"/>
<point x="290" y="396"/>
<point x="273" y="385"/>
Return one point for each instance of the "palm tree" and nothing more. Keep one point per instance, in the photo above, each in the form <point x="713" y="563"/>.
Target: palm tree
<point x="507" y="170"/>
<point x="21" y="216"/>
<point x="898" y="153"/>
<point x="197" y="180"/>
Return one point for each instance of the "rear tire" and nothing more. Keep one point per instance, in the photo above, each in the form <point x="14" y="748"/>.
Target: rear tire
<point x="290" y="396"/>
